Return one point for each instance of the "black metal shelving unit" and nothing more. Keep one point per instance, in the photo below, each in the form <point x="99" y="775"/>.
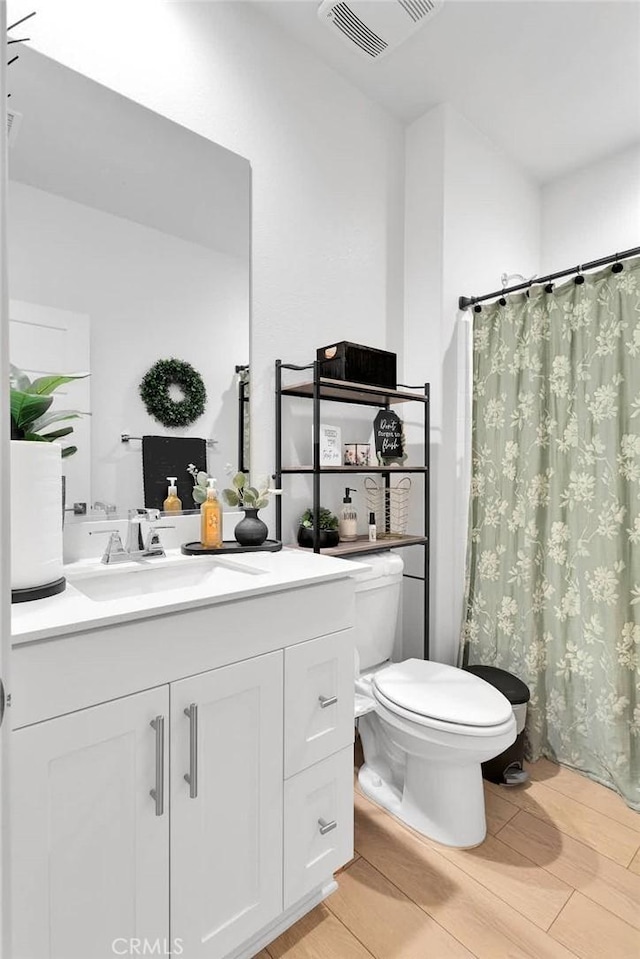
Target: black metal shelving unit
<point x="319" y="389"/>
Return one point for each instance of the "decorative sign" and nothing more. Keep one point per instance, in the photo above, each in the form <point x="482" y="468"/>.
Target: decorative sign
<point x="389" y="438"/>
<point x="330" y="445"/>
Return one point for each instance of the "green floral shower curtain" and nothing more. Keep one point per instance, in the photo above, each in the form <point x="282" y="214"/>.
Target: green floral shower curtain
<point x="553" y="591"/>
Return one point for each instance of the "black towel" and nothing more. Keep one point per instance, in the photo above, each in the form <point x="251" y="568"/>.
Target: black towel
<point x="164" y="456"/>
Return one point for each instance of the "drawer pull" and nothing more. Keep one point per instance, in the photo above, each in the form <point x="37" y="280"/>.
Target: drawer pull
<point x="326" y="827"/>
<point x="327" y="701"/>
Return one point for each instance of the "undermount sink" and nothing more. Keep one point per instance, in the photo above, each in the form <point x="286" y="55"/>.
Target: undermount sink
<point x="140" y="580"/>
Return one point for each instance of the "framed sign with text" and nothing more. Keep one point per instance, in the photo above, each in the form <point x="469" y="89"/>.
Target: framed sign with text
<point x="388" y="432"/>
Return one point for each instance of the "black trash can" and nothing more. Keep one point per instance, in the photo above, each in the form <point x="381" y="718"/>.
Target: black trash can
<point x="507" y="769"/>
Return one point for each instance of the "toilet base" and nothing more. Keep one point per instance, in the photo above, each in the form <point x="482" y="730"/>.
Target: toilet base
<point x="440" y="801"/>
<point x="378" y="791"/>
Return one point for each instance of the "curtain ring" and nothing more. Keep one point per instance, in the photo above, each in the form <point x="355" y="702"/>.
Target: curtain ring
<point x="549" y="288"/>
<point x="477" y="308"/>
<point x="579" y="279"/>
<point x="617" y="266"/>
<point x="504" y="279"/>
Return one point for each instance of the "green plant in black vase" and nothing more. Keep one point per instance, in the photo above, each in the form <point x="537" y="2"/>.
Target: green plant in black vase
<point x="327" y="527"/>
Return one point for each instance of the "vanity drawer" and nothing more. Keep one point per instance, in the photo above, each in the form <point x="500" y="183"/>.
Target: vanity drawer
<point x="318" y="817"/>
<point x="319" y="691"/>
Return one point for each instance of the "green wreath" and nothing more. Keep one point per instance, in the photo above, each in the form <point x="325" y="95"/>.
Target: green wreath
<point x="154" y="390"/>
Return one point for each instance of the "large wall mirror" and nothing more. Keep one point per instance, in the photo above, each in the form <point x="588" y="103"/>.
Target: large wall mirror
<point x="129" y="243"/>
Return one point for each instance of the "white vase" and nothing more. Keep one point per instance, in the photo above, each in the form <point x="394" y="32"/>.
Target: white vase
<point x="36" y="515"/>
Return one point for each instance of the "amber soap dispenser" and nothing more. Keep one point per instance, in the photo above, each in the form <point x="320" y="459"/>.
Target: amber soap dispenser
<point x="211" y="519"/>
<point x="173" y="503"/>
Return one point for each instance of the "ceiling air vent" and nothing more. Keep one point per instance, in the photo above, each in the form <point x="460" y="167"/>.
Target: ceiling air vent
<point x="374" y="27"/>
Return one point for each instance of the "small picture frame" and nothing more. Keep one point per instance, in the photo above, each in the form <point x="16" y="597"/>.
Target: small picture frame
<point x="363" y="451"/>
<point x="330" y="445"/>
<point x="350" y="454"/>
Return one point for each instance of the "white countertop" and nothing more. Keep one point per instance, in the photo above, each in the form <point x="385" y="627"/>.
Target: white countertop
<point x="72" y="611"/>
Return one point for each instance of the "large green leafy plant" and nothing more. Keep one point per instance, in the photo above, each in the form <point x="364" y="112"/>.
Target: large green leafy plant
<point x="31" y="416"/>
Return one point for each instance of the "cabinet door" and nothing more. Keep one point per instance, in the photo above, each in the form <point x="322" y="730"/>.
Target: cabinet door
<point x="90" y="861"/>
<point x="318" y="709"/>
<point x="226" y="821"/>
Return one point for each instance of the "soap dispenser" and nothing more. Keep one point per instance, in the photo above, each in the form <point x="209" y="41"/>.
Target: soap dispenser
<point x="211" y="519"/>
<point x="348" y="522"/>
<point x="172" y="504"/>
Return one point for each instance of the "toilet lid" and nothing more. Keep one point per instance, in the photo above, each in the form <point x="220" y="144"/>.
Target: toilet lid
<point x="442" y="692"/>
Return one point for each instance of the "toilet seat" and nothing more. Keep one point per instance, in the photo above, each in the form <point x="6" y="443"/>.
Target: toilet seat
<point x="443" y="697"/>
<point x="446" y="732"/>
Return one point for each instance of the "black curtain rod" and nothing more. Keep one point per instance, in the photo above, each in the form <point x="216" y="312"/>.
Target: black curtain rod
<point x="464" y="302"/>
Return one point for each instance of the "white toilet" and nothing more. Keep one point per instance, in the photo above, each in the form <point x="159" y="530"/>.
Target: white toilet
<point x="425" y="727"/>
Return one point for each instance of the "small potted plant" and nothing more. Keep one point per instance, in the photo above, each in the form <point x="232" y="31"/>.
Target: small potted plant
<point x="328" y="529"/>
<point x="250" y="531"/>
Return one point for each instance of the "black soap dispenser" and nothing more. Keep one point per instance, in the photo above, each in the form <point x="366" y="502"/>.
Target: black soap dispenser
<point x="348" y="523"/>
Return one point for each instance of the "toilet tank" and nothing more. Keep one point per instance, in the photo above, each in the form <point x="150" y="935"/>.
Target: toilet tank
<point x="378" y="592"/>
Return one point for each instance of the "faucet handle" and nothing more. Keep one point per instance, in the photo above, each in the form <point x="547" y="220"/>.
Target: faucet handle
<point x="114" y="546"/>
<point x="153" y="545"/>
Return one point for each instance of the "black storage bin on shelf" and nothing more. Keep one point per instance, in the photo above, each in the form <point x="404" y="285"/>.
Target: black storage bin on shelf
<point x="507" y="769"/>
<point x="358" y="364"/>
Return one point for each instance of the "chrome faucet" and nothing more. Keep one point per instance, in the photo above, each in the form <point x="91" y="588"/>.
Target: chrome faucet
<point x="137" y="547"/>
<point x="109" y="508"/>
<point x="135" y="540"/>
<point x="144" y="547"/>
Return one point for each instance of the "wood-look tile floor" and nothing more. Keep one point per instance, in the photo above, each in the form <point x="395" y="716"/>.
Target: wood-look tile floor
<point x="558" y="877"/>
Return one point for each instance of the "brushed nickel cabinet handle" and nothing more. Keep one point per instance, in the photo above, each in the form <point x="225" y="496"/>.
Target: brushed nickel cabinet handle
<point x="326" y="827"/>
<point x="191" y="712"/>
<point x="327" y="701"/>
<point x="158" y="792"/>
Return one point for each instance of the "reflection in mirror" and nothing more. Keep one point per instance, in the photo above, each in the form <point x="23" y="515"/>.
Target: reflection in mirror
<point x="129" y="240"/>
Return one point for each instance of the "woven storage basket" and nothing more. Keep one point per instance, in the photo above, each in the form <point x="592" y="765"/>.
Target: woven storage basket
<point x="391" y="506"/>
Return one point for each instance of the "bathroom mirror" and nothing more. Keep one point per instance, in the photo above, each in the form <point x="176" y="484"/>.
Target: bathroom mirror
<point x="129" y="243"/>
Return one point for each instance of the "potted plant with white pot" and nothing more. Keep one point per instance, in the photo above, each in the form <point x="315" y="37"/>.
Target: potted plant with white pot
<point x="36" y="484"/>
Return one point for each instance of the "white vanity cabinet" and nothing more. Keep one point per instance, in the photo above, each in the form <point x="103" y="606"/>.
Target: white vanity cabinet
<point x="204" y="813"/>
<point x="90" y="857"/>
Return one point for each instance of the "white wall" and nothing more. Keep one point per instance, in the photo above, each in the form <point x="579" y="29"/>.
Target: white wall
<point x="149" y="296"/>
<point x="327" y="164"/>
<point x="592" y="212"/>
<point x="328" y="211"/>
<point x="471" y="214"/>
<point x="5" y="522"/>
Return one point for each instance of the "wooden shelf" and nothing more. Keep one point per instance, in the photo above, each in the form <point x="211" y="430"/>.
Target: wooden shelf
<point x="362" y="545"/>
<point x="341" y="391"/>
<point x="356" y="469"/>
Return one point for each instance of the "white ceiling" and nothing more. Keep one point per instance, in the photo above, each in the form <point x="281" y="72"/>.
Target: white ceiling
<point x="554" y="83"/>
